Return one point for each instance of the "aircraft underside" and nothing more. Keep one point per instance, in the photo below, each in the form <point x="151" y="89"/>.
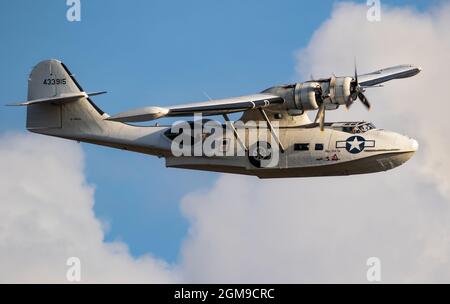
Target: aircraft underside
<point x="370" y="164"/>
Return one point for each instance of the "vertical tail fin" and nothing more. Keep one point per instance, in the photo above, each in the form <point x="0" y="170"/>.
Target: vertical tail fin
<point x="48" y="79"/>
<point x="52" y="79"/>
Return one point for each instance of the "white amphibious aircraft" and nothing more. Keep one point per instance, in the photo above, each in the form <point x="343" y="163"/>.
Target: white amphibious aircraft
<point x="273" y="139"/>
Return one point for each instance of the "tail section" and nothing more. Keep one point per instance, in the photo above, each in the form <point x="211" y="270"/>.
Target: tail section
<point x="57" y="104"/>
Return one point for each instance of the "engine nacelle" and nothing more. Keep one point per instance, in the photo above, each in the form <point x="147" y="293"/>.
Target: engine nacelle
<point x="306" y="96"/>
<point x="340" y="90"/>
<point x="310" y="95"/>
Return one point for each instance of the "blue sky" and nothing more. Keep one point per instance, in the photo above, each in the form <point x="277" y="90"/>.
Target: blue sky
<point x="154" y="53"/>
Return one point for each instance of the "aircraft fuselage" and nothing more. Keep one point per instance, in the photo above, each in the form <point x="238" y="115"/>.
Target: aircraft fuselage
<point x="311" y="152"/>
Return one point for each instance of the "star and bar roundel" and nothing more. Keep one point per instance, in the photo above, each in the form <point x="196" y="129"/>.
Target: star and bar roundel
<point x="355" y="144"/>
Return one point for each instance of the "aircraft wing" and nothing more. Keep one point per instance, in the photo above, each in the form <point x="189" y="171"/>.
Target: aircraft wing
<point x="207" y="108"/>
<point x="381" y="76"/>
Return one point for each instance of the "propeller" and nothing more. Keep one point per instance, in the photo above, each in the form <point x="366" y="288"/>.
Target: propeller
<point x="329" y="93"/>
<point x="321" y="117"/>
<point x="321" y="96"/>
<point x="357" y="92"/>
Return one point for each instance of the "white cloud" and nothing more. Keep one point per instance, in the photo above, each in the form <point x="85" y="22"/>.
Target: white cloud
<point x="320" y="230"/>
<point x="324" y="229"/>
<point x="46" y="216"/>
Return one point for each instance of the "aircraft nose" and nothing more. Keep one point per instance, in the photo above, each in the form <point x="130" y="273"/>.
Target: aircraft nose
<point x="414" y="145"/>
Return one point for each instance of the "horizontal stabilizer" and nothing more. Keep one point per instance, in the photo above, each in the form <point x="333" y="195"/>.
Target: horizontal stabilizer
<point x="96" y="93"/>
<point x="63" y="98"/>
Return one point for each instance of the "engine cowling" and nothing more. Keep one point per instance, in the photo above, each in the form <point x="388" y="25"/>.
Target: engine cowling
<point x="310" y="95"/>
<point x="340" y="90"/>
<point x="306" y="96"/>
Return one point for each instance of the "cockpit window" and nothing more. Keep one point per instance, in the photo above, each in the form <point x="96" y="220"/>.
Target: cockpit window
<point x="355" y="127"/>
<point x="364" y="127"/>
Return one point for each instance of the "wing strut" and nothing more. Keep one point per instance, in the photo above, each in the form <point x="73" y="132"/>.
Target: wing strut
<point x="269" y="124"/>
<point x="227" y="119"/>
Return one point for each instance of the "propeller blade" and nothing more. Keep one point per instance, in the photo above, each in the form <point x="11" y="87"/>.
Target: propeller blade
<point x="364" y="100"/>
<point x="321" y="117"/>
<point x="351" y="99"/>
<point x="349" y="102"/>
<point x="356" y="74"/>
